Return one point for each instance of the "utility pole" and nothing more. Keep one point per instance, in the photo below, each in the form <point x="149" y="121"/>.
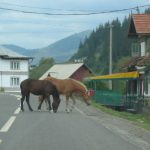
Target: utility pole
<point x="1" y="86"/>
<point x="110" y="56"/>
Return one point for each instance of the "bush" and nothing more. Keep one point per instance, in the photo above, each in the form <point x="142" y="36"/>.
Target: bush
<point x="2" y="89"/>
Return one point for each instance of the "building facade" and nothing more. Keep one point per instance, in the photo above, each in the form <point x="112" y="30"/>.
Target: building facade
<point x="14" y="68"/>
<point x="139" y="31"/>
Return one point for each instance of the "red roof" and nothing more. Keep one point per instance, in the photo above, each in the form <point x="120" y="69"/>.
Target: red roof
<point x="140" y="24"/>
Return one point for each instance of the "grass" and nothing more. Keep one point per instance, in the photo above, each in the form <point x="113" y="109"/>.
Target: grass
<point x="138" y="119"/>
<point x="1" y="89"/>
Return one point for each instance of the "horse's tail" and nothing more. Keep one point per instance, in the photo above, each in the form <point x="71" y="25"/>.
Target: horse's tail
<point x="40" y="98"/>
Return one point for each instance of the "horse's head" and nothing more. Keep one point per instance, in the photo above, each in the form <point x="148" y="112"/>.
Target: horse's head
<point x="55" y="104"/>
<point x="87" y="97"/>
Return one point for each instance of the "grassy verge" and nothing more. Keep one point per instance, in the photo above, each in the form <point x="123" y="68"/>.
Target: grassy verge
<point x="1" y="89"/>
<point x="138" y="119"/>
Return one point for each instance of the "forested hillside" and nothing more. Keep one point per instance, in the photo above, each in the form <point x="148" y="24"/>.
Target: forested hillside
<point x="96" y="47"/>
<point x="44" y="65"/>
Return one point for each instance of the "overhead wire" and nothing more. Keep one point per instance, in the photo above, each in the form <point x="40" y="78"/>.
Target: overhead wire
<point x="72" y="14"/>
<point x="36" y="7"/>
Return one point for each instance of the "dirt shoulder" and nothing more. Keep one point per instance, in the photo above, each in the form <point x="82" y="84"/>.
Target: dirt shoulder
<point x="124" y="128"/>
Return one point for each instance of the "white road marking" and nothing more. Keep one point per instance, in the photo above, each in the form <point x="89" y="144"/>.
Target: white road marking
<point x="17" y="96"/>
<point x="80" y="111"/>
<point x="8" y="124"/>
<point x="17" y="111"/>
<point x="0" y="141"/>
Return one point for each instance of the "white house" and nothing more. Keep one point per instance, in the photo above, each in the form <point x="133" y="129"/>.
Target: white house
<point x="139" y="31"/>
<point x="14" y="68"/>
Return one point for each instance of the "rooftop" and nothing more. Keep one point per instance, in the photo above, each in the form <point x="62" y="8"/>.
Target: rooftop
<point x="62" y="71"/>
<point x="137" y="61"/>
<point x="140" y="24"/>
<point x="8" y="53"/>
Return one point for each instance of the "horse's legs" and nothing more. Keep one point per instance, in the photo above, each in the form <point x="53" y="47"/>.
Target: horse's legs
<point x="67" y="103"/>
<point x="46" y="103"/>
<point x="22" y="100"/>
<point x="41" y="99"/>
<point x="28" y="103"/>
<point x="74" y="102"/>
<point x="49" y="102"/>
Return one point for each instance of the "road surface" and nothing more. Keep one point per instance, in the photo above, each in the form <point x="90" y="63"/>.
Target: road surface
<point x="83" y="129"/>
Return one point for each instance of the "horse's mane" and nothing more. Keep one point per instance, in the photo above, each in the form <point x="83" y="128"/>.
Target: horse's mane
<point x="76" y="81"/>
<point x="79" y="83"/>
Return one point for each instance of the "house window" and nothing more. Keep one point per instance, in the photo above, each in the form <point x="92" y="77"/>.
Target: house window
<point x="148" y="47"/>
<point x="14" y="81"/>
<point x="147" y="85"/>
<point x="135" y="49"/>
<point x="143" y="49"/>
<point x="14" y="65"/>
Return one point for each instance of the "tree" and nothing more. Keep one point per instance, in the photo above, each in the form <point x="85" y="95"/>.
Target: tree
<point x="147" y="11"/>
<point x="44" y="65"/>
<point x="96" y="47"/>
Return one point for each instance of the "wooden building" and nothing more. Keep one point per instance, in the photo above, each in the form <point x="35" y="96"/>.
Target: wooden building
<point x="77" y="71"/>
<point x="139" y="31"/>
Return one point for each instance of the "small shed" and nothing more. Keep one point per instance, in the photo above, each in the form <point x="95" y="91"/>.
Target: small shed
<point x="112" y="97"/>
<point x="77" y="71"/>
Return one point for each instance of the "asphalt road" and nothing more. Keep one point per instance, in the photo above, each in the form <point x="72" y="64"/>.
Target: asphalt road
<point x="61" y="131"/>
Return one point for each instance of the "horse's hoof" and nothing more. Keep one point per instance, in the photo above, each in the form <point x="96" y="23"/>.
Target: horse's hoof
<point x="38" y="108"/>
<point x="51" y="111"/>
<point x="67" y="111"/>
<point x="54" y="111"/>
<point x="70" y="110"/>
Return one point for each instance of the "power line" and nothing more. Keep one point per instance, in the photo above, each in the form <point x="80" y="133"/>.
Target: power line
<point x="44" y="8"/>
<point x="73" y="14"/>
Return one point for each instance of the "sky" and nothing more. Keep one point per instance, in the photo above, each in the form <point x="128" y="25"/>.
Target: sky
<point x="32" y="30"/>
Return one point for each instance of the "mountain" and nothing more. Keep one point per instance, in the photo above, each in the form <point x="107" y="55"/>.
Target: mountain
<point x="20" y="50"/>
<point x="61" y="50"/>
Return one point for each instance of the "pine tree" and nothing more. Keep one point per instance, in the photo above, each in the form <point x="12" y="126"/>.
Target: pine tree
<point x="96" y="47"/>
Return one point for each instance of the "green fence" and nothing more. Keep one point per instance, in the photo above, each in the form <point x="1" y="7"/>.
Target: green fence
<point x="131" y="101"/>
<point x="111" y="98"/>
<point x="135" y="102"/>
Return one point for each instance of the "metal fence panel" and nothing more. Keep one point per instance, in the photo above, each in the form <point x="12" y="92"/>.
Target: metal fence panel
<point x="111" y="98"/>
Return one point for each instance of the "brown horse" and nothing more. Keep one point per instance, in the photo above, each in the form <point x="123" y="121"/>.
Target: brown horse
<point x="39" y="87"/>
<point x="67" y="87"/>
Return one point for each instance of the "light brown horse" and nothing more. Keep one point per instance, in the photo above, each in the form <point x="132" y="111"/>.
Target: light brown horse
<point x="67" y="87"/>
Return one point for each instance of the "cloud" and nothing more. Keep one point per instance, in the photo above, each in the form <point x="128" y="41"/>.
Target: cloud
<point x="33" y="31"/>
